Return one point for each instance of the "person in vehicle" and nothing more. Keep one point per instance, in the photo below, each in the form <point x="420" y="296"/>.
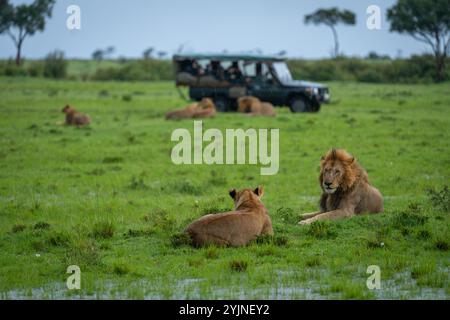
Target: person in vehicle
<point x="215" y="69"/>
<point x="194" y="68"/>
<point x="263" y="74"/>
<point x="233" y="73"/>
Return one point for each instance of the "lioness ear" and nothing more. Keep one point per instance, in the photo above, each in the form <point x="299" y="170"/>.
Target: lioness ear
<point x="259" y="191"/>
<point x="233" y="193"/>
<point x="350" y="161"/>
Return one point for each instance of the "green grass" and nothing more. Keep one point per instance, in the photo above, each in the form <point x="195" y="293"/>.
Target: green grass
<point x="108" y="198"/>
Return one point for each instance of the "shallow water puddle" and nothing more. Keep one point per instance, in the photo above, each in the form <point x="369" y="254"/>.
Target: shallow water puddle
<point x="196" y="288"/>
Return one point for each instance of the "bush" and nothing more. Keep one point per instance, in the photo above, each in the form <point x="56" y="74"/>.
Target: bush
<point x="82" y="252"/>
<point x="417" y="69"/>
<point x="440" y="199"/>
<point x="238" y="265"/>
<point x="137" y="70"/>
<point x="442" y="244"/>
<point x="104" y="229"/>
<point x="121" y="268"/>
<point x="321" y="230"/>
<point x="288" y="215"/>
<point x="42" y="225"/>
<point x="19" y="227"/>
<point x="180" y="239"/>
<point x="276" y="240"/>
<point x="127" y="97"/>
<point x="406" y="219"/>
<point x="320" y="70"/>
<point x="10" y="69"/>
<point x="36" y="69"/>
<point x="370" y="76"/>
<point x="59" y="239"/>
<point x="353" y="66"/>
<point x="103" y="74"/>
<point x="55" y="66"/>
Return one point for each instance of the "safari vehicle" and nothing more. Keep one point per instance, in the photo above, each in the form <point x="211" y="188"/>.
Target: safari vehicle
<point x="226" y="77"/>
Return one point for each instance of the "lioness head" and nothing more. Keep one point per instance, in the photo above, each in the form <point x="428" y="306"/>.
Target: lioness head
<point x="206" y="103"/>
<point x="245" y="103"/>
<point x="246" y="197"/>
<point x="337" y="171"/>
<point x="67" y="109"/>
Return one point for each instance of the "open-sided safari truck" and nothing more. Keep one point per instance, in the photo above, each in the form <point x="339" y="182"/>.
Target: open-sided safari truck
<point x="226" y="77"/>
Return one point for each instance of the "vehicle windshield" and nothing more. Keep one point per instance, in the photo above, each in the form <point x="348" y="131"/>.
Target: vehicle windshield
<point x="282" y="71"/>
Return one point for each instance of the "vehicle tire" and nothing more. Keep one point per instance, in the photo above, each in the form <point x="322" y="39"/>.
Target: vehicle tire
<point x="315" y="107"/>
<point x="221" y="104"/>
<point x="299" y="104"/>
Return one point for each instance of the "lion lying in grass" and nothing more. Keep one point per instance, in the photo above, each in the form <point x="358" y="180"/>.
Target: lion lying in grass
<point x="203" y="109"/>
<point x="234" y="228"/>
<point x="253" y="106"/>
<point x="74" y="117"/>
<point x="346" y="189"/>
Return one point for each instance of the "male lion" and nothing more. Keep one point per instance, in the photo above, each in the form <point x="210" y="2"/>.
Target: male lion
<point x="234" y="228"/>
<point x="346" y="189"/>
<point x="253" y="106"/>
<point x="203" y="109"/>
<point x="74" y="117"/>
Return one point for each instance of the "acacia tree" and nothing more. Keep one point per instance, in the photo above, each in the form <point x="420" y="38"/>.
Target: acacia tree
<point x="161" y="54"/>
<point x="147" y="54"/>
<point x="109" y="51"/>
<point x="427" y="21"/>
<point x="23" y="20"/>
<point x="100" y="54"/>
<point x="331" y="17"/>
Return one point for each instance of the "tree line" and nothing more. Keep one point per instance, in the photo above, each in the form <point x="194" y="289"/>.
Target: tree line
<point x="373" y="69"/>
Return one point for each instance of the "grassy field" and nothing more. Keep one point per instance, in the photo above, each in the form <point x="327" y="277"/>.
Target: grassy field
<point x="108" y="198"/>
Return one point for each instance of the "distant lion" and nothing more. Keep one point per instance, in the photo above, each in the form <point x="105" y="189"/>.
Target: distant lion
<point x="253" y="106"/>
<point x="203" y="109"/>
<point x="74" y="117"/>
<point x="234" y="228"/>
<point x="346" y="189"/>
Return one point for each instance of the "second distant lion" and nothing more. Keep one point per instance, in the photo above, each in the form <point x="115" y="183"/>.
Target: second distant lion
<point x="203" y="109"/>
<point x="253" y="106"/>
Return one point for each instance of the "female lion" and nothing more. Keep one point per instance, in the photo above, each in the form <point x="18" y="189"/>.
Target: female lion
<point x="234" y="228"/>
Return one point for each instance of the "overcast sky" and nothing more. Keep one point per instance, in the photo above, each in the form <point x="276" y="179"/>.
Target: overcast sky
<point x="131" y="26"/>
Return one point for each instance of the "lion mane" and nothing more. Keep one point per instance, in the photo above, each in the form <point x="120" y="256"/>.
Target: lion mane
<point x="253" y="107"/>
<point x="346" y="189"/>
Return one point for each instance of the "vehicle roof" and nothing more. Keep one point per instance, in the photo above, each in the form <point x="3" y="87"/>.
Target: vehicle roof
<point x="226" y="57"/>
